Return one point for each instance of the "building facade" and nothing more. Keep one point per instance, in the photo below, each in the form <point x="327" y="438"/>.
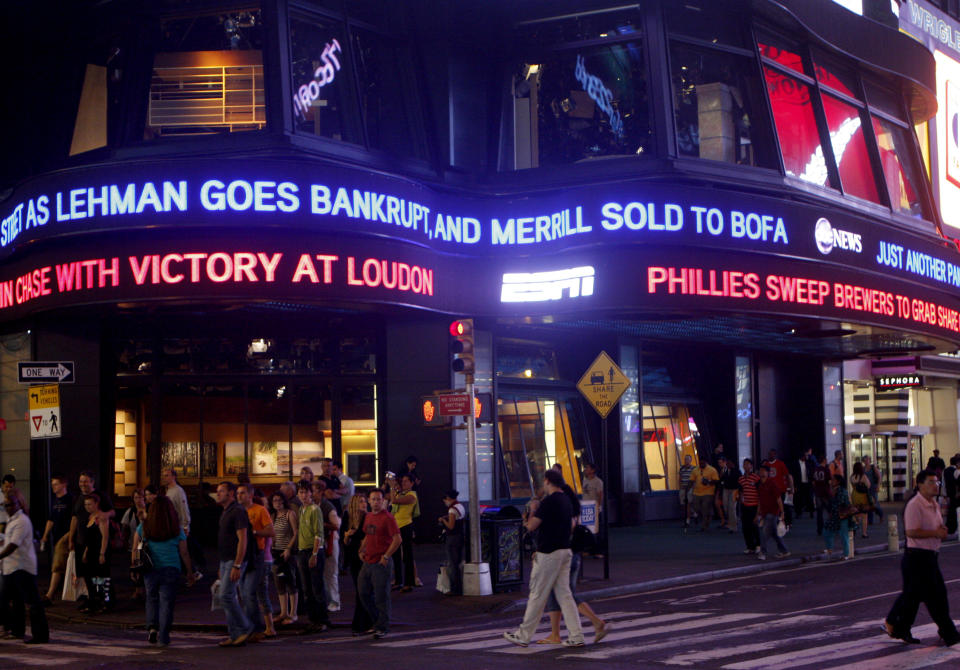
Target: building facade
<point x="250" y="224"/>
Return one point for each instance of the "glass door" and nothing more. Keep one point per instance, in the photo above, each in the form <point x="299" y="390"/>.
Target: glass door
<point x="914" y="465"/>
<point x="883" y="461"/>
<point x="538" y="432"/>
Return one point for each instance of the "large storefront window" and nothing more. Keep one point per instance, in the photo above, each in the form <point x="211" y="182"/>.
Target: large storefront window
<point x="849" y="148"/>
<point x="208" y="74"/>
<point x="580" y="100"/>
<point x="670" y="433"/>
<point x="321" y="73"/>
<point x="261" y="406"/>
<point x="536" y="434"/>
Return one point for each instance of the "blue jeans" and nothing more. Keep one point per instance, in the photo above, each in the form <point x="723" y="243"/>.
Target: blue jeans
<point x="374" y="586"/>
<point x="264" y="596"/>
<point x="770" y="530"/>
<point x="250" y="584"/>
<point x="161" y="588"/>
<point x="844" y="536"/>
<point x="237" y="622"/>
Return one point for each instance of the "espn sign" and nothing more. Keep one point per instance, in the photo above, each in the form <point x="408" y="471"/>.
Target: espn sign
<point x="544" y="286"/>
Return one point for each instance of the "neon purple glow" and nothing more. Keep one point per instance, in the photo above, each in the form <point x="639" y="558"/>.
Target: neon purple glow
<point x="306" y="94"/>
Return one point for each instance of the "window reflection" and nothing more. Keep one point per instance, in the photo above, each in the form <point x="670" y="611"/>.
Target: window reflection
<point x="900" y="169"/>
<point x="581" y="104"/>
<point x="796" y="127"/>
<point x="536" y="434"/>
<point x="715" y="98"/>
<point x="670" y="433"/>
<point x="320" y="73"/>
<point x="208" y="75"/>
<point x="845" y="123"/>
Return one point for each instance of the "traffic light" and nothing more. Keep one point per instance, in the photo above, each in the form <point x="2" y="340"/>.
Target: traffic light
<point x="462" y="346"/>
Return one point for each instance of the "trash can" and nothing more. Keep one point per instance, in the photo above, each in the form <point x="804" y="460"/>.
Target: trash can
<point x="501" y="533"/>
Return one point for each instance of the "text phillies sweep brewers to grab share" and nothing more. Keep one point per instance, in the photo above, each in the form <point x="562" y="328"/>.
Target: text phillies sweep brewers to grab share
<point x="777" y="288"/>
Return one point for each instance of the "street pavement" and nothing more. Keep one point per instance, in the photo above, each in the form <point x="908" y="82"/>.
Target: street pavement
<point x="674" y="599"/>
<point x="817" y="615"/>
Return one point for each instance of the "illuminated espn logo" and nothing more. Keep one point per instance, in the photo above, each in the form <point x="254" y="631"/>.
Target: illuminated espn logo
<point x="543" y="286"/>
<point x="827" y="237"/>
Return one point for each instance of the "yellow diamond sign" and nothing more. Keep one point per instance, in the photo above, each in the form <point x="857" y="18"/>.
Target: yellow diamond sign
<point x="602" y="384"/>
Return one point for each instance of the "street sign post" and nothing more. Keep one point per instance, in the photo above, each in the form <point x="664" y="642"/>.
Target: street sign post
<point x="602" y="385"/>
<point x="44" y="406"/>
<point x="45" y="372"/>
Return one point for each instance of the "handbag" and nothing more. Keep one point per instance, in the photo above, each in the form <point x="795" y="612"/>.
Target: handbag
<point x="848" y="511"/>
<point x="142" y="562"/>
<point x="781" y="528"/>
<point x="443" y="580"/>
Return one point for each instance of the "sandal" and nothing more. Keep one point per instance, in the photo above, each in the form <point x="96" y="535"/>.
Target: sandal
<point x="547" y="640"/>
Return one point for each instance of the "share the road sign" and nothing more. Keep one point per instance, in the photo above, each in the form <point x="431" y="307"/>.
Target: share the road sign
<point x="602" y="384"/>
<point x="47" y="372"/>
<point x="44" y="403"/>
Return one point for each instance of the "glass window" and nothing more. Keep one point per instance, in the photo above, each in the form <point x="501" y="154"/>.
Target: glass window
<point x="580" y="104"/>
<point x="884" y="100"/>
<point x="526" y="360"/>
<point x="743" y="386"/>
<point x="900" y="168"/>
<point x="537" y="434"/>
<point x="312" y="427"/>
<point x="388" y="95"/>
<point x="835" y="77"/>
<point x="268" y="429"/>
<point x="321" y="74"/>
<point x="781" y="52"/>
<point x="718" y="107"/>
<point x="850" y="148"/>
<point x="707" y="20"/>
<point x="208" y="75"/>
<point x="358" y="433"/>
<point x="181" y="429"/>
<point x="670" y="433"/>
<point x="796" y="127"/>
<point x="583" y="28"/>
<point x="224" y="412"/>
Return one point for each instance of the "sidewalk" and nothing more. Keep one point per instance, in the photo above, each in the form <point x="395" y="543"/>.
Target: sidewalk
<point x="643" y="558"/>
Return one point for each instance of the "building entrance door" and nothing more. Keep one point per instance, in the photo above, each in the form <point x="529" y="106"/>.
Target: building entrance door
<point x="877" y="447"/>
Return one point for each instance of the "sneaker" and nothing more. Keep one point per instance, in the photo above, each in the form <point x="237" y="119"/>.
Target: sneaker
<point x="572" y="643"/>
<point x="513" y="637"/>
<point x="757" y="550"/>
<point x="379" y="634"/>
<point x="783" y="554"/>
<point x="749" y="551"/>
<point x="333" y="607"/>
<point x="152" y="636"/>
<point x="762" y="556"/>
<point x="847" y="558"/>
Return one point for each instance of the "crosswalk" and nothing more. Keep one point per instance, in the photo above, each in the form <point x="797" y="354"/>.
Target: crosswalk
<point x="708" y="639"/>
<point x="67" y="648"/>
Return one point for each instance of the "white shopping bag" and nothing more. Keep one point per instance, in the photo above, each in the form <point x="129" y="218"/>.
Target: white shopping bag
<point x="443" y="580"/>
<point x="215" y="597"/>
<point x="73" y="588"/>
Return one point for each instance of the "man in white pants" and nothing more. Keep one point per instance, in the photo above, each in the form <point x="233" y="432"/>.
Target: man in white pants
<point x="553" y="521"/>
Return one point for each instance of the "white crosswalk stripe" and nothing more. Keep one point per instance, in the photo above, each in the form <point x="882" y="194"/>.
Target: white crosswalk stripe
<point x="734" y="641"/>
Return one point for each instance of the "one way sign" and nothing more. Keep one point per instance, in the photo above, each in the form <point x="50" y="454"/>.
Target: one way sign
<point x="45" y="372"/>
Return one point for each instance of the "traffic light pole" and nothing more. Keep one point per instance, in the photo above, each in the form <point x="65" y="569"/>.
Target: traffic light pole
<point x="472" y="475"/>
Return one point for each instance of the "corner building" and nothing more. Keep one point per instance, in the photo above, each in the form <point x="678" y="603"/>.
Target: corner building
<point x="249" y="224"/>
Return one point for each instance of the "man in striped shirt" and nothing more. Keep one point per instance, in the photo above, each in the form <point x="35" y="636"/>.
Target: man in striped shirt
<point x="748" y="507"/>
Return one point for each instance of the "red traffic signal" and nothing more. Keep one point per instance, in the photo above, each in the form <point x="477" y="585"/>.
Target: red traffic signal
<point x="462" y="347"/>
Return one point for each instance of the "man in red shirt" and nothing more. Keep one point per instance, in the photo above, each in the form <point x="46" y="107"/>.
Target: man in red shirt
<point x="779" y="472"/>
<point x="769" y="512"/>
<point x="381" y="540"/>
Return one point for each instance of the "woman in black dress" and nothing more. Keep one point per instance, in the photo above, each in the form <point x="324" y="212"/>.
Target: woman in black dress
<point x="94" y="563"/>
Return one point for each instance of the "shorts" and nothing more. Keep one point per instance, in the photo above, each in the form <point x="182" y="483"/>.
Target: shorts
<point x="60" y="552"/>
<point x="686" y="496"/>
